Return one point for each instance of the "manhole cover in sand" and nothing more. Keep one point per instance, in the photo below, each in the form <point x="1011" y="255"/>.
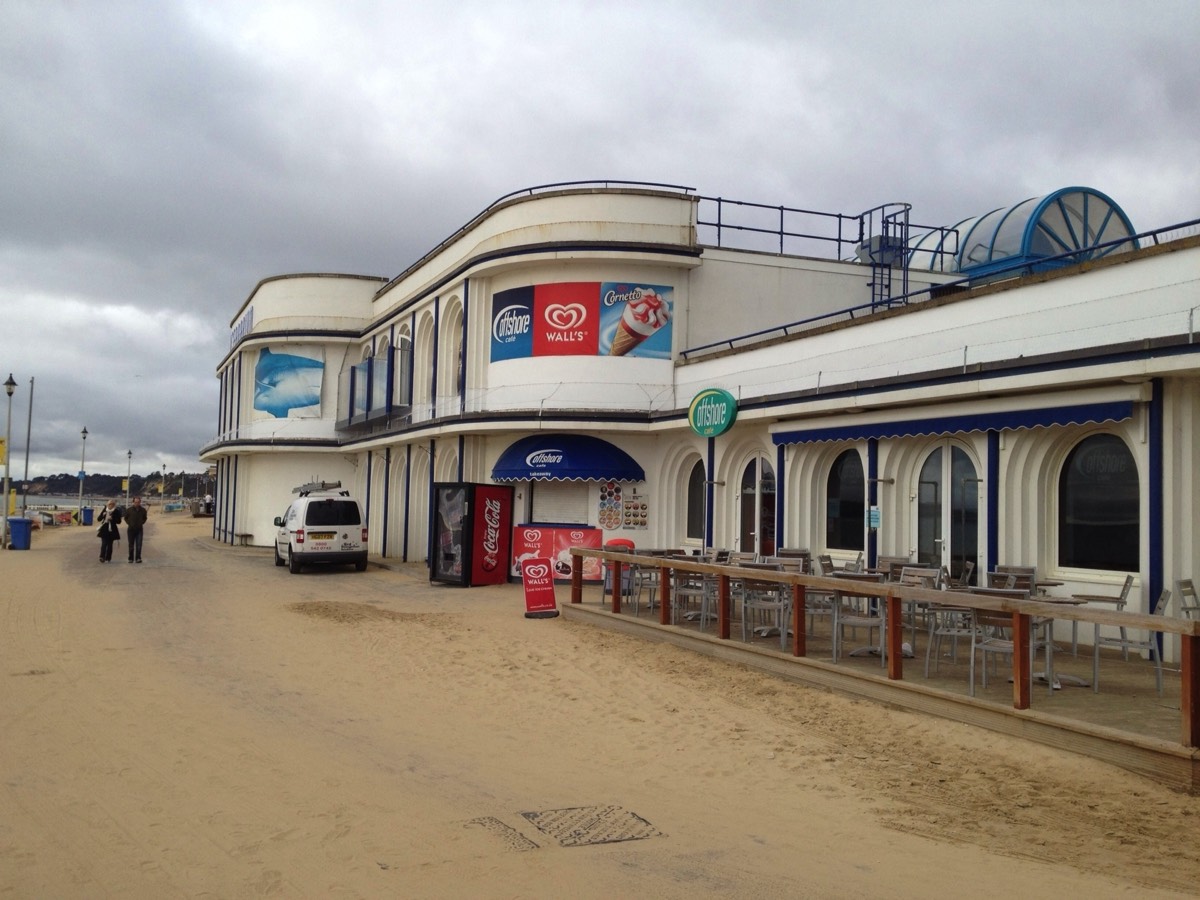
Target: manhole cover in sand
<point x="584" y="825"/>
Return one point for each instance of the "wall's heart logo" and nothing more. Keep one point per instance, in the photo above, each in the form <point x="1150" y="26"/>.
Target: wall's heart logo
<point x="562" y="317"/>
<point x="532" y="536"/>
<point x="540" y="570"/>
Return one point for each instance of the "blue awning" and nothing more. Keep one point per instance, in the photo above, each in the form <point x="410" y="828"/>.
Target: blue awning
<point x="1011" y="420"/>
<point x="565" y="457"/>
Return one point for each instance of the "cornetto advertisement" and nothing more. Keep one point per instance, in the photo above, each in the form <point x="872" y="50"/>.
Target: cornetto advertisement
<point x="583" y="318"/>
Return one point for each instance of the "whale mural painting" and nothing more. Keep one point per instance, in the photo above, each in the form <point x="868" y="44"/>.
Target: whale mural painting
<point x="289" y="384"/>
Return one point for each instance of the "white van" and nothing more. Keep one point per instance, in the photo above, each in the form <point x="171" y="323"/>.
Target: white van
<point x="323" y="525"/>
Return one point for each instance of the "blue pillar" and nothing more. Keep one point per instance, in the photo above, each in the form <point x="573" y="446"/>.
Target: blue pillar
<point x="780" y="495"/>
<point x="993" y="503"/>
<point x="1155" y="490"/>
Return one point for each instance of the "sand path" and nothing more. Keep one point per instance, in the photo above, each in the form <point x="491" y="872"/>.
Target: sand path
<point x="207" y="725"/>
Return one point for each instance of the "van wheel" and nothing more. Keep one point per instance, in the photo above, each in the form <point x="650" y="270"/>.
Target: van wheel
<point x="279" y="560"/>
<point x="293" y="563"/>
<point x="360" y="566"/>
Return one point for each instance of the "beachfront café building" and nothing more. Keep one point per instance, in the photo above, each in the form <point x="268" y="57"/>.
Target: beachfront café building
<point x="642" y="362"/>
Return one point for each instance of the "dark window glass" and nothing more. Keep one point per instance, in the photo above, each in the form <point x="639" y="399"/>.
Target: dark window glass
<point x="324" y="513"/>
<point x="845" y="503"/>
<point x="1098" y="502"/>
<point x="695" y="503"/>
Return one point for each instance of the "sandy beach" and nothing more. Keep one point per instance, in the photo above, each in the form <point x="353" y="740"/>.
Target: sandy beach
<point x="207" y="725"/>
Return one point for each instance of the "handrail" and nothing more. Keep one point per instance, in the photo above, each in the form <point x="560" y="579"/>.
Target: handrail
<point x="893" y="595"/>
<point x="905" y="299"/>
<point x="909" y="593"/>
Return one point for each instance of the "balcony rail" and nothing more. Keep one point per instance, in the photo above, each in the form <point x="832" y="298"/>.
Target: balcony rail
<point x="894" y="595"/>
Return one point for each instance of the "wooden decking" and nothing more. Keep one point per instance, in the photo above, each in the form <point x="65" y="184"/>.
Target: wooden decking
<point x="1126" y="723"/>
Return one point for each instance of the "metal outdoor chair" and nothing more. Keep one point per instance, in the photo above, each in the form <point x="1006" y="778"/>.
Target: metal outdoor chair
<point x="766" y="606"/>
<point x="1118" y="602"/>
<point x="1189" y="608"/>
<point x="1150" y="645"/>
<point x="852" y="610"/>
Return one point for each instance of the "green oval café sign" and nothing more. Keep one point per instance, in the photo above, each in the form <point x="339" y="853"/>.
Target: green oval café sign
<point x="712" y="412"/>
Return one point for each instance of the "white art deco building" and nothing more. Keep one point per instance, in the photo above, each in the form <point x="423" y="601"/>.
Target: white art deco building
<point x="1021" y="387"/>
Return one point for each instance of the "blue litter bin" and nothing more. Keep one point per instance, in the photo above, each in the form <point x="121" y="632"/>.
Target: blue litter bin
<point x="19" y="532"/>
<point x="87" y="515"/>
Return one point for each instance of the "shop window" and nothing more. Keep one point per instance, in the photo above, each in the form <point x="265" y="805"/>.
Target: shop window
<point x="695" y="503"/>
<point x="1099" y="522"/>
<point x="845" y="503"/>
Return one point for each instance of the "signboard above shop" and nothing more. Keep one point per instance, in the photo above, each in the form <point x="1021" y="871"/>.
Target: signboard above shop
<point x="591" y="318"/>
<point x="712" y="412"/>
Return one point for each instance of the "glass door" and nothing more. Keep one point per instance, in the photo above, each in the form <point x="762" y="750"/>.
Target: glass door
<point x="756" y="511"/>
<point x="948" y="510"/>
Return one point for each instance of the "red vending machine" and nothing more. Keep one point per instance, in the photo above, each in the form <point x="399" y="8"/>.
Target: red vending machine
<point x="472" y="532"/>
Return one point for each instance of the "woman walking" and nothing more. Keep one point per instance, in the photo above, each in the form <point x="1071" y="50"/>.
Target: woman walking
<point x="109" y="519"/>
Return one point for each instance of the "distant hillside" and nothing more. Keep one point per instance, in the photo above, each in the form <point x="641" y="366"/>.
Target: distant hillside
<point x="114" y="485"/>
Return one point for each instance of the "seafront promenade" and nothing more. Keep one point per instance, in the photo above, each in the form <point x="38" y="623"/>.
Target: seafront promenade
<point x="207" y="724"/>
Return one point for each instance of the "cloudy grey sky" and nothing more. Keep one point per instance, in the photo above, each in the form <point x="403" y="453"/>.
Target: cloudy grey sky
<point x="159" y="158"/>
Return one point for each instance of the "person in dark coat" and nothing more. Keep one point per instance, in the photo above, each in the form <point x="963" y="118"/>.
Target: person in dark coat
<point x="109" y="519"/>
<point x="135" y="518"/>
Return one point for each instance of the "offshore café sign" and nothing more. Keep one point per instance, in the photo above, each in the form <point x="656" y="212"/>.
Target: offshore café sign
<point x="712" y="412"/>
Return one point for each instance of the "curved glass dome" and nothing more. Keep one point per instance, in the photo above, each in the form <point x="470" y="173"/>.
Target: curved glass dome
<point x="1077" y="221"/>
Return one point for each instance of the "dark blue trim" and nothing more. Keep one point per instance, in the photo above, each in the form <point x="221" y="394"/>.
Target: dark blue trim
<point x="367" y="499"/>
<point x="1155" y="487"/>
<point x="430" y="505"/>
<point x="999" y="421"/>
<point x="462" y="443"/>
<point x="433" y="375"/>
<point x="387" y="498"/>
<point x="992" y="467"/>
<point x="780" y="494"/>
<point x="565" y="457"/>
<point x="407" y="501"/>
<point x="872" y="499"/>
<point x="465" y="354"/>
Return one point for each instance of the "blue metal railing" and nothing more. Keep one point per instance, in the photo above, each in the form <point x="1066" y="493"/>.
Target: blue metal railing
<point x="1025" y="267"/>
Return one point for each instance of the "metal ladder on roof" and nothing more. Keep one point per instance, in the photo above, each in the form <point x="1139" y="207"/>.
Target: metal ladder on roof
<point x="885" y="247"/>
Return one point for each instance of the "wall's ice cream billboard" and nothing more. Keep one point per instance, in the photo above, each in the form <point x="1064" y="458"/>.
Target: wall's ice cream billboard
<point x="582" y="318"/>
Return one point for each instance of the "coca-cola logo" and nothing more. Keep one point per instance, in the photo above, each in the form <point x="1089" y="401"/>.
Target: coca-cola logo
<point x="537" y="571"/>
<point x="491" y="535"/>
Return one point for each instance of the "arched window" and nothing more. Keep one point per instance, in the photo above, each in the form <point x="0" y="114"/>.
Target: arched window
<point x="845" y="503"/>
<point x="1098" y="506"/>
<point x="695" y="503"/>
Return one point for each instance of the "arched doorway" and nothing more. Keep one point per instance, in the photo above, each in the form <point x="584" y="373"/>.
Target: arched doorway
<point x="948" y="510"/>
<point x="756" y="508"/>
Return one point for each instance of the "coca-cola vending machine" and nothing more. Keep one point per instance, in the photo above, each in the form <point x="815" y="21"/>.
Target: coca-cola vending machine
<point x="472" y="532"/>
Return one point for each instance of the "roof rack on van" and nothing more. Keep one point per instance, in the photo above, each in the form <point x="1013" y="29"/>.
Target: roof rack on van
<point x="305" y="489"/>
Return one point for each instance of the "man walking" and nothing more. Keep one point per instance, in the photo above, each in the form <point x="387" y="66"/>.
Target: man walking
<point x="135" y="518"/>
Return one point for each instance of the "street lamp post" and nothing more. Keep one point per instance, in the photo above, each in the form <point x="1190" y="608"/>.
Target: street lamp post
<point x="9" y="387"/>
<point x="82" y="475"/>
<point x="128" y="474"/>
<point x="28" y="431"/>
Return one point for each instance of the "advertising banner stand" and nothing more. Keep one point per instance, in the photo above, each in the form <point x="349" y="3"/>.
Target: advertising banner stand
<point x="537" y="575"/>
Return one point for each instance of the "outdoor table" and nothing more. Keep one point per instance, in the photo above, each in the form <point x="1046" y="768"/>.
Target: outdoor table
<point x="1048" y="675"/>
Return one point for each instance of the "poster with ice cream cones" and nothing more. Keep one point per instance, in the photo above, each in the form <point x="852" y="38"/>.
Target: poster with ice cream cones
<point x="583" y="318"/>
<point x="635" y="319"/>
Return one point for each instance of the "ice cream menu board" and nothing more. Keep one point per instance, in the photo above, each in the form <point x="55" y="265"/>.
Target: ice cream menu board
<point x="554" y="542"/>
<point x="582" y="318"/>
